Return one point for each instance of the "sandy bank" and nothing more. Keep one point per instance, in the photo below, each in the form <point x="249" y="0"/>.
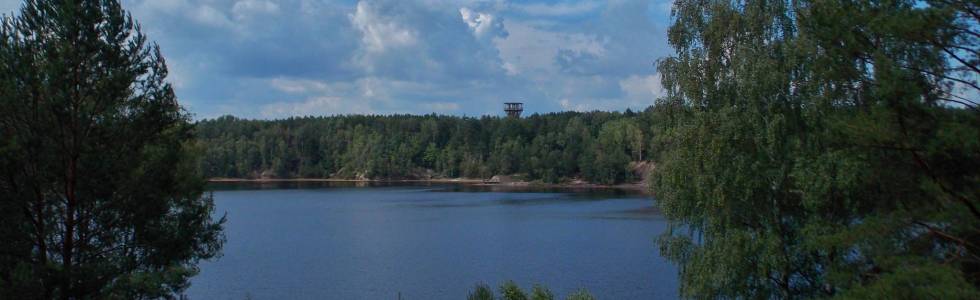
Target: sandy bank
<point x="636" y="186"/>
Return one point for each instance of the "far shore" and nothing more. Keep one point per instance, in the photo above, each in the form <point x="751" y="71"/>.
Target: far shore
<point x="635" y="186"/>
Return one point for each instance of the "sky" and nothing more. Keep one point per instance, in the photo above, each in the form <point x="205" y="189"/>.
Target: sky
<point x="267" y="59"/>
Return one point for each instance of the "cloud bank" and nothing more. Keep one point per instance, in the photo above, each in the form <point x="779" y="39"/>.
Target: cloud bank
<point x="277" y="59"/>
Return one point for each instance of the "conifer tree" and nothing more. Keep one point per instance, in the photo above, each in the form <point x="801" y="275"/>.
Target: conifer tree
<point x="100" y="194"/>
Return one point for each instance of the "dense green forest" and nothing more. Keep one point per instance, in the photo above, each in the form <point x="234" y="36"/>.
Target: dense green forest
<point x="596" y="146"/>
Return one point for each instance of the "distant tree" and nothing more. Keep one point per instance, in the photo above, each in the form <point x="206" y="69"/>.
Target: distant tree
<point x="636" y="140"/>
<point x="539" y="292"/>
<point x="580" y="295"/>
<point x="609" y="158"/>
<point x="481" y="292"/>
<point x="100" y="195"/>
<point x="510" y="291"/>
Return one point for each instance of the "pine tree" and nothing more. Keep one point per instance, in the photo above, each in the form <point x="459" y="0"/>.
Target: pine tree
<point x="100" y="194"/>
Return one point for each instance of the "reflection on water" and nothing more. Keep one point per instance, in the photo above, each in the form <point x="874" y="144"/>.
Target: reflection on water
<point x="335" y="240"/>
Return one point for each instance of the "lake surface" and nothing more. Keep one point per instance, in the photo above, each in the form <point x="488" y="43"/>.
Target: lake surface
<point x="329" y="241"/>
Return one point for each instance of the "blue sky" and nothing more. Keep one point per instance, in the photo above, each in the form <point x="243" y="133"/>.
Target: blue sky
<point x="274" y="59"/>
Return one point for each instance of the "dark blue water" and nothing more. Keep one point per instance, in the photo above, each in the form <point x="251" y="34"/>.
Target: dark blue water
<point x="431" y="242"/>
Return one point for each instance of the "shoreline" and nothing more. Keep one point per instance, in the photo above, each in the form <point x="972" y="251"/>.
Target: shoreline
<point x="635" y="186"/>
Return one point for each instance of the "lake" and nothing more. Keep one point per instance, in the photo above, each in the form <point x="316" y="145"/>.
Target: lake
<point x="337" y="241"/>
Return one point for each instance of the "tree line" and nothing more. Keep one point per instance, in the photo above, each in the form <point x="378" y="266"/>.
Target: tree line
<point x="509" y="290"/>
<point x="595" y="146"/>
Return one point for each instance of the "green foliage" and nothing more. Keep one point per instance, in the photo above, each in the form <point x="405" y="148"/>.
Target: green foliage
<point x="580" y="295"/>
<point x="610" y="156"/>
<point x="510" y="291"/>
<point x="482" y="291"/>
<point x="541" y="293"/>
<point x="596" y="146"/>
<point x="821" y="149"/>
<point x="100" y="194"/>
<point x="917" y="279"/>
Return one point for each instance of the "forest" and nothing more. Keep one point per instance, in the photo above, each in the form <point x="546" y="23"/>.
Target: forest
<point x="598" y="147"/>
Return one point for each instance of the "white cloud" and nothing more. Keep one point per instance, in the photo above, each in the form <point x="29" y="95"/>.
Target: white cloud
<point x="404" y="40"/>
<point x="277" y="58"/>
<point x="511" y="69"/>
<point x="297" y="86"/>
<point x="530" y="49"/>
<point x="363" y="95"/>
<point x="208" y="15"/>
<point x="164" y="5"/>
<point x="315" y="106"/>
<point x="642" y="89"/>
<point x="593" y="104"/>
<point x="177" y="74"/>
<point x="482" y="24"/>
<point x="442" y="107"/>
<point x="247" y="8"/>
<point x="558" y="9"/>
<point x="568" y="105"/>
<point x="638" y="92"/>
<point x="378" y="32"/>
